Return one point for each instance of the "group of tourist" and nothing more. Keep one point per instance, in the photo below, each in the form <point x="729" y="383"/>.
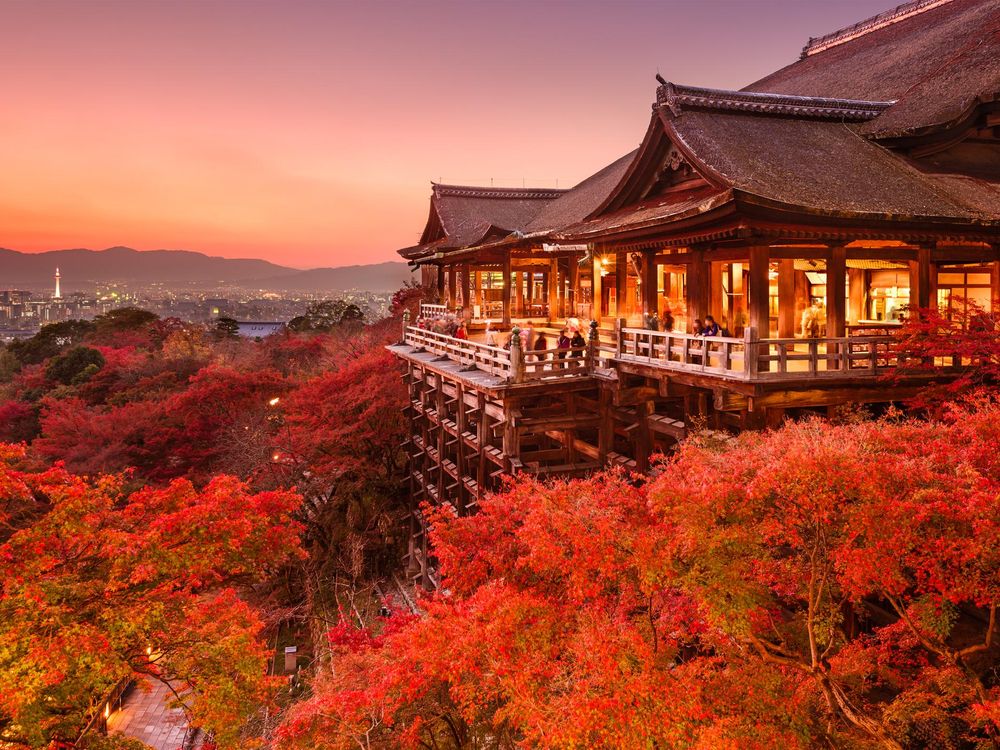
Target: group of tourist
<point x="570" y="340"/>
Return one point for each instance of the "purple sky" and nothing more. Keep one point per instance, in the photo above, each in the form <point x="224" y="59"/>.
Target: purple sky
<point x="307" y="132"/>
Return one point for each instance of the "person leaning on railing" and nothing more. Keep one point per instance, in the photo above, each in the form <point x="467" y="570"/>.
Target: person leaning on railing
<point x="563" y="343"/>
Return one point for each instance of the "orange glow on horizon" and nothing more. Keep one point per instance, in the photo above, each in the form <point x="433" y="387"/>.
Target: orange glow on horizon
<point x="307" y="132"/>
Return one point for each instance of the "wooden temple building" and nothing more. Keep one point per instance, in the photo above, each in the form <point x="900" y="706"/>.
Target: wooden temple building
<point x="806" y="213"/>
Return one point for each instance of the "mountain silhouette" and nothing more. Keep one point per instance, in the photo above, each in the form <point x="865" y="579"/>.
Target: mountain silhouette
<point x="82" y="269"/>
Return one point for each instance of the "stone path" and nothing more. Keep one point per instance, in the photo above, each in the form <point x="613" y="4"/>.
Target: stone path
<point x="145" y="716"/>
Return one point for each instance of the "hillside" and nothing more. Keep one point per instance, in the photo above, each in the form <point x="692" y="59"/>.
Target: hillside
<point x="82" y="269"/>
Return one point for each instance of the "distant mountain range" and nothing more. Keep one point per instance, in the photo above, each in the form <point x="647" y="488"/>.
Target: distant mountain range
<point x="81" y="270"/>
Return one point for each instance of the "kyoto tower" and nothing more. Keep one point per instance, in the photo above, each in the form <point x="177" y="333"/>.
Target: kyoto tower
<point x="58" y="294"/>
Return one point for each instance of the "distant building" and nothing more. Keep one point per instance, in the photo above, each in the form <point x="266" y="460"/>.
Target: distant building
<point x="58" y="294"/>
<point x="217" y="306"/>
<point x="258" y="329"/>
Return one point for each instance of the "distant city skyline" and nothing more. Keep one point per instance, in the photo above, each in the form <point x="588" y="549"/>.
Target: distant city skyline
<point x="306" y="133"/>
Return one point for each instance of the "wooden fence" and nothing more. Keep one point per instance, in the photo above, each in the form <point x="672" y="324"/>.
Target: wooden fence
<point x="747" y="358"/>
<point x="433" y="312"/>
<point x="750" y="358"/>
<point x="514" y="365"/>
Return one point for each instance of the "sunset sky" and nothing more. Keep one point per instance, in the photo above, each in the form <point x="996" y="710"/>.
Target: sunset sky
<point x="307" y="133"/>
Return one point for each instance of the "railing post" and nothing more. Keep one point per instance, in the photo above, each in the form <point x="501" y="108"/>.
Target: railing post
<point x="750" y="351"/>
<point x="516" y="356"/>
<point x="592" y="342"/>
<point x="620" y="325"/>
<point x="406" y="324"/>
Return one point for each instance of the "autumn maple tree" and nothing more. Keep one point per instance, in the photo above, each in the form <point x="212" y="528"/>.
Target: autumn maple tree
<point x="98" y="584"/>
<point x="819" y="585"/>
<point x="959" y="353"/>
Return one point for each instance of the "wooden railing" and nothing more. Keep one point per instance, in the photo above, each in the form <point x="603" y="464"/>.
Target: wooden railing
<point x="845" y="357"/>
<point x="491" y="359"/>
<point x="433" y="312"/>
<point x="545" y="363"/>
<point x="716" y="355"/>
<point x="749" y="358"/>
<point x="514" y="365"/>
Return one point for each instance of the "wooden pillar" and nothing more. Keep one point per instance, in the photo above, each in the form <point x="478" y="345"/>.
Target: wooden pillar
<point x="715" y="306"/>
<point x="553" y="289"/>
<point x="920" y="277"/>
<point x="482" y="441"/>
<point x="573" y="286"/>
<point x="440" y="285"/>
<point x="595" y="287"/>
<point x="467" y="289"/>
<point x="757" y="294"/>
<point x="561" y="287"/>
<point x="451" y="287"/>
<point x="506" y="289"/>
<point x="606" y="433"/>
<point x="836" y="302"/>
<point x="519" y="279"/>
<point x="994" y="286"/>
<point x="621" y="285"/>
<point x="786" y="298"/>
<point x="856" y="294"/>
<point x="650" y="286"/>
<point x="477" y="290"/>
<point x="697" y="287"/>
<point x="461" y="425"/>
<point x="569" y="434"/>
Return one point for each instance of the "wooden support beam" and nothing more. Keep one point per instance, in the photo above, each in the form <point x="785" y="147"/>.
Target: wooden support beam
<point x="461" y="425"/>
<point x="698" y="280"/>
<point x="758" y="293"/>
<point x="595" y="287"/>
<point x="533" y="425"/>
<point x="920" y="277"/>
<point x="995" y="286"/>
<point x="650" y="284"/>
<point x="621" y="285"/>
<point x="440" y="285"/>
<point x="786" y="298"/>
<point x="857" y="292"/>
<point x="451" y="287"/>
<point x="636" y="395"/>
<point x="572" y="286"/>
<point x="836" y="302"/>
<point x="519" y="278"/>
<point x="553" y="289"/>
<point x="606" y="431"/>
<point x="506" y="289"/>
<point x="467" y="288"/>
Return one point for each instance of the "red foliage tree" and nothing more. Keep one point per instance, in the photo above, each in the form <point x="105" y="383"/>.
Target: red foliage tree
<point x="817" y="585"/>
<point x="102" y="585"/>
<point x="967" y="344"/>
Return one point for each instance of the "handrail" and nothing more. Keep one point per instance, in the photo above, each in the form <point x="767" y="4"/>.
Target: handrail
<point x="531" y="364"/>
<point x="750" y="358"/>
<point x="717" y="355"/>
<point x="433" y="311"/>
<point x="99" y="719"/>
<point x="491" y="359"/>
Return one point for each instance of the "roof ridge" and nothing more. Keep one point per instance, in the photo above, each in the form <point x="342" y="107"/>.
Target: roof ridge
<point x="472" y="191"/>
<point x="868" y="25"/>
<point x="675" y="97"/>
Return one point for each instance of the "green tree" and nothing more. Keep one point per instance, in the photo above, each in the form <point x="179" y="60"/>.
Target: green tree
<point x="75" y="366"/>
<point x="326" y="315"/>
<point x="9" y="365"/>
<point x="51" y="340"/>
<point x="226" y="328"/>
<point x="124" y="319"/>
